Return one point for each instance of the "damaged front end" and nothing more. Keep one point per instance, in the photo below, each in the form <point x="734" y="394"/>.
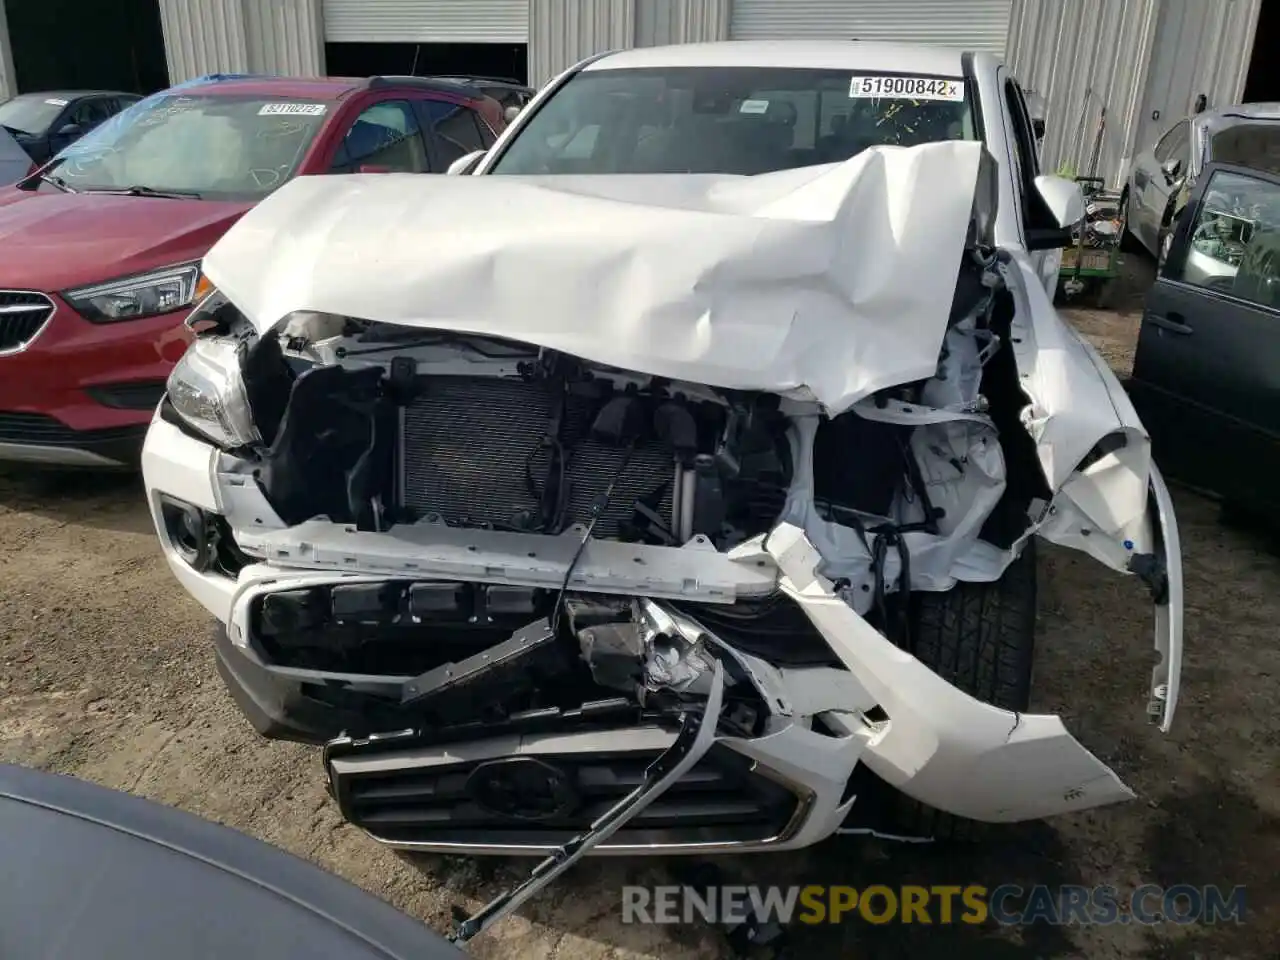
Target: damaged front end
<point x="675" y="604"/>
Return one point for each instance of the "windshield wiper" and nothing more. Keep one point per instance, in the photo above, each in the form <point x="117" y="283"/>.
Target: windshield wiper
<point x="59" y="183"/>
<point x="140" y="191"/>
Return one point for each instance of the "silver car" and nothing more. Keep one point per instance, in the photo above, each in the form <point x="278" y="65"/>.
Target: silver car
<point x="1161" y="177"/>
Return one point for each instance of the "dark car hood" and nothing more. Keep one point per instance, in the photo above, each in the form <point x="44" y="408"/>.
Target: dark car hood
<point x="90" y="872"/>
<point x="51" y="240"/>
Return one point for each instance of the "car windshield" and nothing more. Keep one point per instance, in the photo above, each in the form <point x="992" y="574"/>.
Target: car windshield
<point x="31" y="113"/>
<point x="736" y="120"/>
<point x="224" y="147"/>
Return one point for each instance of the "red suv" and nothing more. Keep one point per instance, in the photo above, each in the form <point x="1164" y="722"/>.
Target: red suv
<point x="100" y="249"/>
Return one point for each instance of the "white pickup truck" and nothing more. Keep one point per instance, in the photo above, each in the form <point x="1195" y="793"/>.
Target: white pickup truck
<point x="686" y="462"/>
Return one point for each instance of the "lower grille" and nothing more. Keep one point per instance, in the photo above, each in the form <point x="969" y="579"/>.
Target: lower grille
<point x="40" y="430"/>
<point x="471" y="453"/>
<point x="501" y="801"/>
<point x="110" y="446"/>
<point x="22" y="314"/>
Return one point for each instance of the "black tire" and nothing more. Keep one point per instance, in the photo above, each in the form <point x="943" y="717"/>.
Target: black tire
<point x="981" y="638"/>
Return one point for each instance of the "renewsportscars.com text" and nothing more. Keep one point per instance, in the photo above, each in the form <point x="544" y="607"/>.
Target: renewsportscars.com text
<point x="1007" y="905"/>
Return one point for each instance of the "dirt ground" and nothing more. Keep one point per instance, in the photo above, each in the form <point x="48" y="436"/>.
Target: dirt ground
<point x="106" y="674"/>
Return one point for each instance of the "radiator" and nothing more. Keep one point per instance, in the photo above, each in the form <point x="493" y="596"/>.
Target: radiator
<point x="467" y="440"/>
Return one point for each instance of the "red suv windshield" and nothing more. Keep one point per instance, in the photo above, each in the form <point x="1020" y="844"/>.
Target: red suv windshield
<point x="213" y="147"/>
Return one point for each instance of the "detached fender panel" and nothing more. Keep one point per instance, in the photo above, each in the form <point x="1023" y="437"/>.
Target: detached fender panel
<point x="940" y="745"/>
<point x="1166" y="677"/>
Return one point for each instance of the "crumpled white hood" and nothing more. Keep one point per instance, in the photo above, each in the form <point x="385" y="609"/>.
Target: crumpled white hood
<point x="830" y="281"/>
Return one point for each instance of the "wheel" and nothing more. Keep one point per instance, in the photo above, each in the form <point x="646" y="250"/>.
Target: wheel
<point x="981" y="638"/>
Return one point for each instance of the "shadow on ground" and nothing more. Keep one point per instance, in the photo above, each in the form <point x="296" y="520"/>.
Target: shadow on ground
<point x="1024" y="856"/>
<point x="106" y="500"/>
<point x="1215" y="834"/>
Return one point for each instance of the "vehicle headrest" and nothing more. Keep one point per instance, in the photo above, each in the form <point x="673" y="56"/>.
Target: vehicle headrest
<point x="986" y="202"/>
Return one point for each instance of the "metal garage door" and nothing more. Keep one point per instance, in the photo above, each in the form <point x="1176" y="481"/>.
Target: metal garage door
<point x="966" y="24"/>
<point x="426" y="21"/>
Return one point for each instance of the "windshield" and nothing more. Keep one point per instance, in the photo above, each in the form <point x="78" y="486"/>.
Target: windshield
<point x="222" y="147"/>
<point x="30" y="114"/>
<point x="737" y="120"/>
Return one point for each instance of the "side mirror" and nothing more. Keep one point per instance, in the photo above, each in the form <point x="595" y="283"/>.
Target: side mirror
<point x="1059" y="200"/>
<point x="465" y="164"/>
<point x="1038" y="128"/>
<point x="511" y="113"/>
<point x="1171" y="168"/>
<point x="372" y="168"/>
<point x="1063" y="197"/>
<point x="69" y="130"/>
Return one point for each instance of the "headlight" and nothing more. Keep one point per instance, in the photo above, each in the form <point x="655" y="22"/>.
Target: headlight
<point x="142" y="295"/>
<point x="207" y="391"/>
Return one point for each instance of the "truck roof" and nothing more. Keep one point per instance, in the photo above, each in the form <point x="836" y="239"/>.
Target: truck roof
<point x="819" y="54"/>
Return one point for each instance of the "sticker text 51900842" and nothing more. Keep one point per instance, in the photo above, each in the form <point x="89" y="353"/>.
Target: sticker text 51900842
<point x="907" y="88"/>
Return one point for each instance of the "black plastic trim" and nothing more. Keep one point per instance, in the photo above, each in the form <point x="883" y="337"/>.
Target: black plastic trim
<point x="975" y="98"/>
<point x="135" y="395"/>
<point x="121" y="445"/>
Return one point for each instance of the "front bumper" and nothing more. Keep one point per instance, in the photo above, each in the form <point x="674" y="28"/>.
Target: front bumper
<point x="81" y="394"/>
<point x="885" y="710"/>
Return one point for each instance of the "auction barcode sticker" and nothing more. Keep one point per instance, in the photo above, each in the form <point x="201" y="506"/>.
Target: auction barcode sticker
<point x="293" y="110"/>
<point x="909" y="88"/>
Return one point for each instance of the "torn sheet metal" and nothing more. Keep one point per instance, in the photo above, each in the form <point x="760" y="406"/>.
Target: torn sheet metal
<point x="1076" y="399"/>
<point x="940" y="745"/>
<point x="826" y="282"/>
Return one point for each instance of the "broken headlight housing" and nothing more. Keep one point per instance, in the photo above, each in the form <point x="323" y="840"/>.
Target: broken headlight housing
<point x="207" y="390"/>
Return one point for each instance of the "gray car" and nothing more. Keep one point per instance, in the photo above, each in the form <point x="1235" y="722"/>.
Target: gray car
<point x="1163" y="176"/>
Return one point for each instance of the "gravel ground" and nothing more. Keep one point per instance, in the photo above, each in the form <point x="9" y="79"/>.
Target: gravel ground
<point x="106" y="673"/>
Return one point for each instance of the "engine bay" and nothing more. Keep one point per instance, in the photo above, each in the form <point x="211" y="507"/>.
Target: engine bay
<point x="379" y="427"/>
<point x="477" y="433"/>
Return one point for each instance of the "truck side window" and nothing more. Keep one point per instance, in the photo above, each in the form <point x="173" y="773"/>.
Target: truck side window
<point x="1038" y="221"/>
<point x="1024" y="143"/>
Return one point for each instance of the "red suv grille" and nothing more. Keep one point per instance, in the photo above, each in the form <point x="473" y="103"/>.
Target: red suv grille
<point x="22" y="314"/>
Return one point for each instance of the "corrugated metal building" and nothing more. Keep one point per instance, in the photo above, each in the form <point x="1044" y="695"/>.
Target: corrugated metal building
<point x="290" y="36"/>
<point x="1144" y="60"/>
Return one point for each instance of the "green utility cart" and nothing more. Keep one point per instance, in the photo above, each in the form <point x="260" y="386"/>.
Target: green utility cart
<point x="1093" y="259"/>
